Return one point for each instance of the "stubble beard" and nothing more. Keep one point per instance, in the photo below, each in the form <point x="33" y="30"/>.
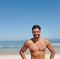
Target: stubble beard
<point x="36" y="37"/>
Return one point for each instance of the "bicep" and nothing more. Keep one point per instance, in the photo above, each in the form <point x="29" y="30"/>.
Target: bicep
<point x="24" y="47"/>
<point x="50" y="47"/>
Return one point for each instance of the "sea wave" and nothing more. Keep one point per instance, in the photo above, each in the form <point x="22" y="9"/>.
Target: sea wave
<point x="55" y="43"/>
<point x="9" y="46"/>
<point x="1" y="46"/>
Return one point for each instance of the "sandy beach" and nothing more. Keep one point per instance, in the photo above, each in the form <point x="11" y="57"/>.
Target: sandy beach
<point x="12" y="55"/>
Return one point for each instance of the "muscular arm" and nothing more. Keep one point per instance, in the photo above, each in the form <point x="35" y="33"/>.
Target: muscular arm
<point x="23" y="49"/>
<point x="51" y="49"/>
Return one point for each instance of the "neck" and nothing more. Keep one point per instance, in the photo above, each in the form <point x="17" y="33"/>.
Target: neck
<point x="36" y="39"/>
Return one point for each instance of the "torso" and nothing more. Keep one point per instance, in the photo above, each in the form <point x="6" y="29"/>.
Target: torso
<point x="37" y="49"/>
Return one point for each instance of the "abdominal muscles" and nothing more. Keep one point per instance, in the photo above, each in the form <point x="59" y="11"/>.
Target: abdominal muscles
<point x="38" y="55"/>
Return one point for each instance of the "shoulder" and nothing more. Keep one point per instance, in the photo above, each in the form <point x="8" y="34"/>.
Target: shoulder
<point x="27" y="42"/>
<point x="46" y="41"/>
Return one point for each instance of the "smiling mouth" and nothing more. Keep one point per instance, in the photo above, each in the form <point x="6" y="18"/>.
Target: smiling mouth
<point x="36" y="35"/>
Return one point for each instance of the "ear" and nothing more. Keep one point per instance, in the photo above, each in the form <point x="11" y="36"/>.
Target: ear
<point x="32" y="31"/>
<point x="40" y="31"/>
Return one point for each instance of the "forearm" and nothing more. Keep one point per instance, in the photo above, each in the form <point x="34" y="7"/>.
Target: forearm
<point x="22" y="55"/>
<point x="52" y="55"/>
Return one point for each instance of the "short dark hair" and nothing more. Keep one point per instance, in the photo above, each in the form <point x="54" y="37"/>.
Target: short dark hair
<point x="36" y="26"/>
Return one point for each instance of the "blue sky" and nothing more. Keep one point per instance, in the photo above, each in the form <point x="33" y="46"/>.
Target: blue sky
<point x="18" y="16"/>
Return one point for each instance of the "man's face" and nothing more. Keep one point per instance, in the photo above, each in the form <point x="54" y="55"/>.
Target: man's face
<point x="36" y="33"/>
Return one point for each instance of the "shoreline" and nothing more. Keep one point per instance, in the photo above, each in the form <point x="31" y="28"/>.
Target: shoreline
<point x="17" y="52"/>
<point x="9" y="52"/>
<point x="47" y="56"/>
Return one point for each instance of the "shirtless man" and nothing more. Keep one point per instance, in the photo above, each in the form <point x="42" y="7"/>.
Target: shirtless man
<point x="37" y="45"/>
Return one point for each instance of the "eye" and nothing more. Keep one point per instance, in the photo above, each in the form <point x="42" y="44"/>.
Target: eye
<point x="37" y="31"/>
<point x="34" y="32"/>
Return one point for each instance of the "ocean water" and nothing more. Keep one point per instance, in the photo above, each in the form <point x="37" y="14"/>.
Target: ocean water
<point x="17" y="44"/>
<point x="11" y="45"/>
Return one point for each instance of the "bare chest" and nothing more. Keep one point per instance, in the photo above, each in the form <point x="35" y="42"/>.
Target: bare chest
<point x="39" y="46"/>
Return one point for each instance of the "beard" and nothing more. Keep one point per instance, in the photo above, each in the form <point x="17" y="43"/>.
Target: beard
<point x="36" y="36"/>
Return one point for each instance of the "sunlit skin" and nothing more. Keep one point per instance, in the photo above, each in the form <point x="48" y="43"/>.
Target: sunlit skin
<point x="37" y="46"/>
